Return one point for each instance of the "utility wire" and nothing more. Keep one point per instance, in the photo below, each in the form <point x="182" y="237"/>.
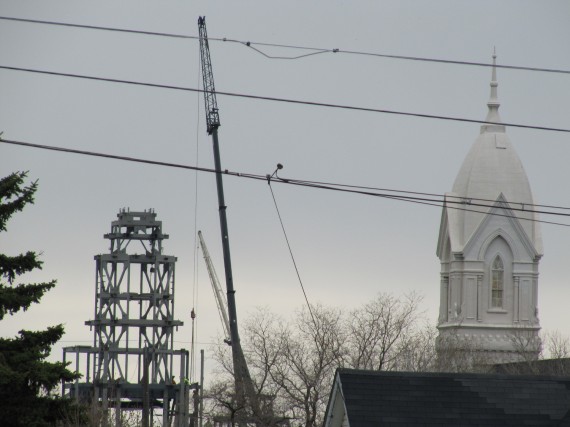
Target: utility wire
<point x="96" y="27"/>
<point x="314" y="50"/>
<point x="317" y="337"/>
<point x="285" y="100"/>
<point x="448" y="199"/>
<point x="438" y="203"/>
<point x="291" y="252"/>
<point x="304" y="183"/>
<point x="424" y="201"/>
<point x="462" y="200"/>
<point x="108" y="156"/>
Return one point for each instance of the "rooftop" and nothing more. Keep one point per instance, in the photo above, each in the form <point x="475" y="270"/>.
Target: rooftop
<point x="374" y="398"/>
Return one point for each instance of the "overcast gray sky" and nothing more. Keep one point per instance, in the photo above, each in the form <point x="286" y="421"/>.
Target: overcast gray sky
<point x="347" y="247"/>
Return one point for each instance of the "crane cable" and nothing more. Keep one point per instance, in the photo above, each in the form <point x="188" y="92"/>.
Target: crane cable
<point x="195" y="287"/>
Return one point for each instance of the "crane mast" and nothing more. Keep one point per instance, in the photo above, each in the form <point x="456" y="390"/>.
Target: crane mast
<point x="220" y="301"/>
<point x="245" y="391"/>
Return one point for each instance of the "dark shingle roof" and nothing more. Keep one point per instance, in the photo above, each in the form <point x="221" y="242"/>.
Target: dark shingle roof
<point x="445" y="399"/>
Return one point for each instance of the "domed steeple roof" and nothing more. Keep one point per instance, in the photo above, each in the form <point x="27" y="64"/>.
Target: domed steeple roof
<point x="491" y="170"/>
<point x="489" y="247"/>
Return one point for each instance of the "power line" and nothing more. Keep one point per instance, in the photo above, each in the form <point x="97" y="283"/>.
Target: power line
<point x="448" y="199"/>
<point x="96" y="27"/>
<point x="460" y="199"/>
<point x="285" y="100"/>
<point x="291" y="251"/>
<point x="314" y="50"/>
<point x="441" y="203"/>
<point x="317" y="51"/>
<point x="104" y="155"/>
<point x="404" y="198"/>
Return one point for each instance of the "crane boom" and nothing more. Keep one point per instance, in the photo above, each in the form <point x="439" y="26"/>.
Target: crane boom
<point x="245" y="391"/>
<point x="221" y="302"/>
<point x="213" y="120"/>
<point x="211" y="104"/>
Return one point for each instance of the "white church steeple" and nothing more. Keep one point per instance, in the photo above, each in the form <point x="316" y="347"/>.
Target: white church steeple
<point x="493" y="104"/>
<point x="489" y="247"/>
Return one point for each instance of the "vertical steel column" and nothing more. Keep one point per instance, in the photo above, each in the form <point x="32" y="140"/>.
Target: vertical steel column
<point x="201" y="415"/>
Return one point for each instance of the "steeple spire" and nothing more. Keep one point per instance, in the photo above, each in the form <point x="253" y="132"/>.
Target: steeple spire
<point x="493" y="104"/>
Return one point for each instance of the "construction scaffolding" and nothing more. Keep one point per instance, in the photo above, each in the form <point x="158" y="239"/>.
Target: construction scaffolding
<point x="132" y="364"/>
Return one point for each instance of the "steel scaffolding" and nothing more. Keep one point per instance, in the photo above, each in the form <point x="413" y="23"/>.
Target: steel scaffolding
<point x="132" y="364"/>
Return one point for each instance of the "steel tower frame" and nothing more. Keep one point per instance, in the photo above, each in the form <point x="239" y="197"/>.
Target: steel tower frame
<point x="132" y="360"/>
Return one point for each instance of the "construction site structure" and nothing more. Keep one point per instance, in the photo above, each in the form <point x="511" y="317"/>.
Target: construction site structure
<point x="255" y="408"/>
<point x="132" y="364"/>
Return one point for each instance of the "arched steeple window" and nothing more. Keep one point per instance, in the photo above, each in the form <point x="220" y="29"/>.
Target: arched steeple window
<point x="497" y="282"/>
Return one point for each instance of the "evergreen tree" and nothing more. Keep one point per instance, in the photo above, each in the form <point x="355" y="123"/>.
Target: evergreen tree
<point x="26" y="378"/>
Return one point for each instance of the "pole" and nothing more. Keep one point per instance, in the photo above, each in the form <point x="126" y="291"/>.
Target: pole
<point x="146" y="403"/>
<point x="201" y="415"/>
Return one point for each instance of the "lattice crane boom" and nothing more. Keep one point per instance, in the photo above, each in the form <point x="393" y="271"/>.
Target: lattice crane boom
<point x="245" y="390"/>
<point x="221" y="302"/>
<point x="211" y="104"/>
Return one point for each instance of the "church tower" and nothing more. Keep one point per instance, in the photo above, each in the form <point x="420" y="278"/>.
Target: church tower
<point x="489" y="247"/>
